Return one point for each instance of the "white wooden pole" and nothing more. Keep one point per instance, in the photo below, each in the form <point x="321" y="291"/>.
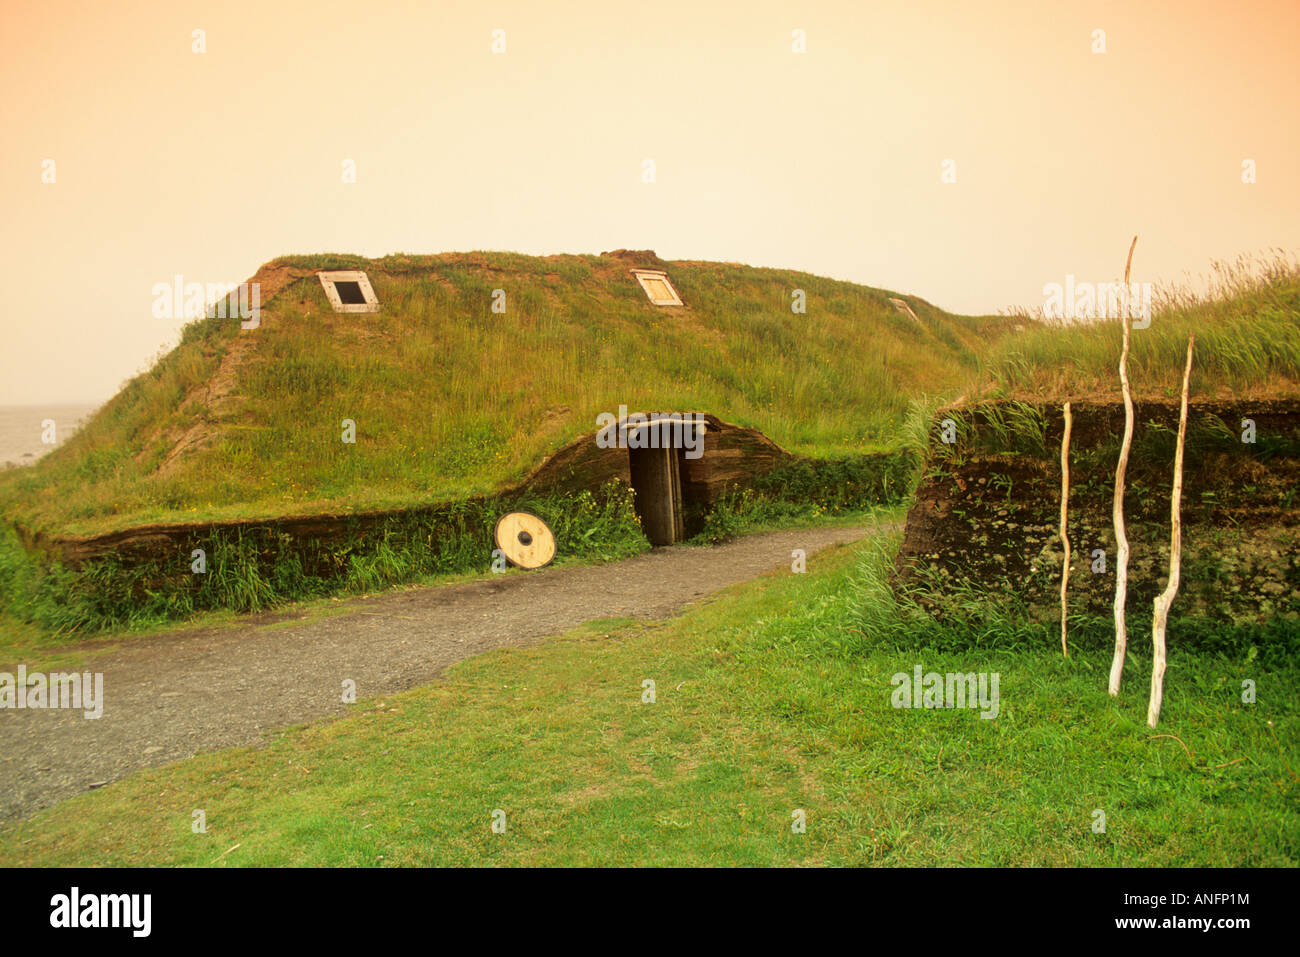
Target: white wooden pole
<point x="1117" y="514"/>
<point x="1166" y="598"/>
<point x="1065" y="535"/>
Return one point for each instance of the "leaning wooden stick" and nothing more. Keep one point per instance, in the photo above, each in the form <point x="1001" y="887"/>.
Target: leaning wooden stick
<point x="1166" y="598"/>
<point x="1065" y="537"/>
<point x="1121" y="535"/>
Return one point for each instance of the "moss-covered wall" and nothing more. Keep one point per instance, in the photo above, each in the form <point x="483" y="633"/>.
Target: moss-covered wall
<point x="987" y="508"/>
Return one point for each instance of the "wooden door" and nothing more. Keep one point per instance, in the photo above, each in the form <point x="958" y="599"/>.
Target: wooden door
<point x="657" y="482"/>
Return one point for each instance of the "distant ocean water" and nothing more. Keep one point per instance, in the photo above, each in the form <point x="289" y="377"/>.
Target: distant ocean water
<point x="21" y="429"/>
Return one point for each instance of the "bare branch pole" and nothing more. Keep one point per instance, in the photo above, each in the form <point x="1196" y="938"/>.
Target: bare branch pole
<point x="1121" y="535"/>
<point x="1166" y="598"/>
<point x="1065" y="537"/>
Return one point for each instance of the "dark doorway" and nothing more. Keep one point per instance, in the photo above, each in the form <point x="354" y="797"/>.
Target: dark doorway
<point x="657" y="484"/>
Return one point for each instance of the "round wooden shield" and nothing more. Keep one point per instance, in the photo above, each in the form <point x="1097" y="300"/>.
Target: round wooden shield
<point x="525" y="540"/>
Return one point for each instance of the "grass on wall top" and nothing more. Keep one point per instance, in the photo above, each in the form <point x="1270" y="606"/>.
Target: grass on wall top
<point x="1247" y="344"/>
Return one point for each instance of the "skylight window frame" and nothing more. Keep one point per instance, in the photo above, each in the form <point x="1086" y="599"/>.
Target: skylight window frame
<point x="328" y="279"/>
<point x="642" y="277"/>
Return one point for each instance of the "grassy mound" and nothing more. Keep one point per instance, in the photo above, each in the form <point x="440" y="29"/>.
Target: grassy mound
<point x="452" y="400"/>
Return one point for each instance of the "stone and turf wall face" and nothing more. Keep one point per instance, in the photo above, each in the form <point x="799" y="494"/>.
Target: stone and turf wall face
<point x="987" y="508"/>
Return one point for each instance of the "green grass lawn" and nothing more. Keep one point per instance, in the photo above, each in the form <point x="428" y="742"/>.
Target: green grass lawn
<point x="770" y="698"/>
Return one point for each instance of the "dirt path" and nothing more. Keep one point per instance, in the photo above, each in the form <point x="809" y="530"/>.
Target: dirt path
<point x="171" y="696"/>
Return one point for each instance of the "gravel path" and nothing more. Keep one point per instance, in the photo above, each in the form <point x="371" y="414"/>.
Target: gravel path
<point x="168" y="697"/>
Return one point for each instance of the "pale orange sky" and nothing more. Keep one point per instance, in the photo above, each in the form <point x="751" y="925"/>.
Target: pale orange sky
<point x="208" y="165"/>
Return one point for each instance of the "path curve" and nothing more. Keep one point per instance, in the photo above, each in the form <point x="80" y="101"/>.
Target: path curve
<point x="169" y="697"/>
